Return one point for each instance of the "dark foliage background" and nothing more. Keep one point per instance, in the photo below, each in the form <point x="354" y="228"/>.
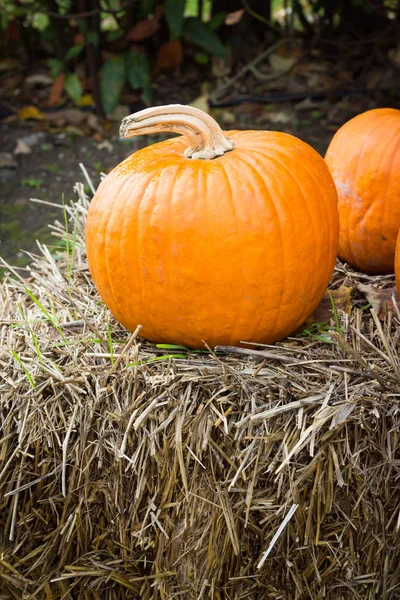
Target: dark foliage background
<point x="103" y="48"/>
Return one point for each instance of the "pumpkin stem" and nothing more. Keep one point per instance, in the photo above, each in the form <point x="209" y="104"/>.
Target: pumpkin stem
<point x="205" y="135"/>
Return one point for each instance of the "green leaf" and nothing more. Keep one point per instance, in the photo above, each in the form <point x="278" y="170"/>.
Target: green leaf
<point x="82" y="24"/>
<point x="93" y="37"/>
<point x="115" y="35"/>
<point x="201" y="58"/>
<point x="112" y="79"/>
<point x="74" y="51"/>
<point x="174" y="11"/>
<point x="217" y="21"/>
<point x="55" y="66"/>
<point x="203" y="36"/>
<point x="40" y="21"/>
<point x="73" y="87"/>
<point x="145" y="7"/>
<point x="138" y="74"/>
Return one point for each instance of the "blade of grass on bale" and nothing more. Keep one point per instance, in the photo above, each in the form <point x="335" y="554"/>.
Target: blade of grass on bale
<point x="156" y="359"/>
<point x="33" y="336"/>
<point x="28" y="375"/>
<point x="110" y="342"/>
<point x="45" y="312"/>
<point x="172" y="347"/>
<point x="338" y="325"/>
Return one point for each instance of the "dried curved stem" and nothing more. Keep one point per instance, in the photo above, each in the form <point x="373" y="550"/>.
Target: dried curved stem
<point x="205" y="135"/>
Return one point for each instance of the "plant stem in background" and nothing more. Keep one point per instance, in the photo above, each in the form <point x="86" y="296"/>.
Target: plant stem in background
<point x="92" y="38"/>
<point x="59" y="28"/>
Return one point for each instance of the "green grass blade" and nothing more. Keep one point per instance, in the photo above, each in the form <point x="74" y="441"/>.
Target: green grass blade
<point x="172" y="347"/>
<point x="28" y="375"/>
<point x="45" y="312"/>
<point x="156" y="359"/>
<point x="33" y="336"/>
<point x="110" y="342"/>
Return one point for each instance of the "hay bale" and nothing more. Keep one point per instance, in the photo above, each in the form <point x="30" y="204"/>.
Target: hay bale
<point x="128" y="473"/>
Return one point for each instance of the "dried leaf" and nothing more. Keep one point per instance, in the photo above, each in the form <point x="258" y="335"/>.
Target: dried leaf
<point x="221" y="67"/>
<point x="118" y="113"/>
<point x="79" y="38"/>
<point x="379" y="299"/>
<point x="30" y="113"/>
<point x="372" y="294"/>
<point x="7" y="161"/>
<point x="143" y="30"/>
<point x="201" y="103"/>
<point x="281" y="116"/>
<point x="22" y="148"/>
<point x="73" y="130"/>
<point x="234" y="17"/>
<point x="38" y="79"/>
<point x="341" y="298"/>
<point x="93" y="122"/>
<point x="169" y="56"/>
<point x="56" y="90"/>
<point x="281" y="64"/>
<point x="86" y="100"/>
<point x="394" y="56"/>
<point x="228" y="117"/>
<point x="9" y="64"/>
<point x="307" y="104"/>
<point x="69" y="116"/>
<point x="105" y="145"/>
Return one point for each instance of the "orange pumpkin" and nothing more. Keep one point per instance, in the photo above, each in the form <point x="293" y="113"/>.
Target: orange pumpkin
<point x="364" y="159"/>
<point x="213" y="237"/>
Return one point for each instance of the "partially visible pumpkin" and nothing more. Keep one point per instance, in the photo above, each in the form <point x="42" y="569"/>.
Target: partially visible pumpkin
<point x="397" y="263"/>
<point x="232" y="239"/>
<point x="364" y="159"/>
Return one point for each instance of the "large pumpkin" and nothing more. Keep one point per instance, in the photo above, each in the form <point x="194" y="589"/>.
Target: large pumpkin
<point x="207" y="237"/>
<point x="364" y="159"/>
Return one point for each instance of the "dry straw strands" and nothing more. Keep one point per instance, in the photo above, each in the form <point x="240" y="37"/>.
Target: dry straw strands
<point x="258" y="473"/>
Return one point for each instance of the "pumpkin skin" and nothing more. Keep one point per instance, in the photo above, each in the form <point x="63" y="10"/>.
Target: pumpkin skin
<point x="238" y="248"/>
<point x="364" y="159"/>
